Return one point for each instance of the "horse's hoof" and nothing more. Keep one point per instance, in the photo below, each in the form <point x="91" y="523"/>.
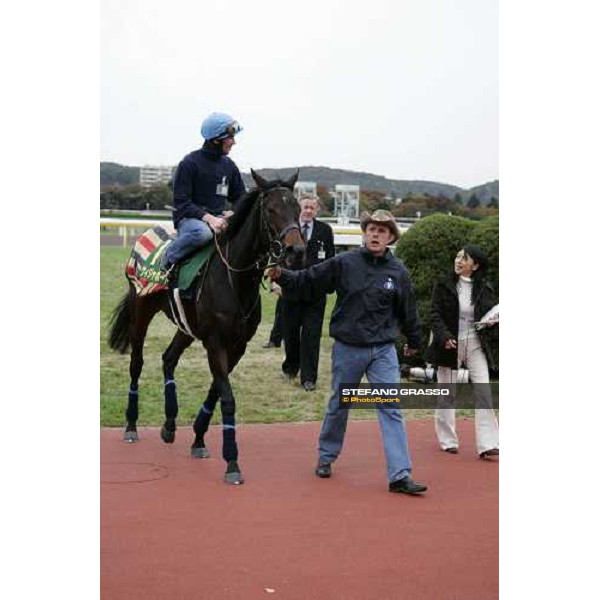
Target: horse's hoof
<point x="233" y="475"/>
<point x="168" y="437"/>
<point x="234" y="478"/>
<point x="200" y="453"/>
<point x="130" y="437"/>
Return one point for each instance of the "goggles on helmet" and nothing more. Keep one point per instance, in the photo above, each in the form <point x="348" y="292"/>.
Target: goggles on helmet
<point x="232" y="129"/>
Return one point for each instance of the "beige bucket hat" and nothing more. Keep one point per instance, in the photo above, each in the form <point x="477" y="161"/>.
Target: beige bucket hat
<point x="381" y="217"/>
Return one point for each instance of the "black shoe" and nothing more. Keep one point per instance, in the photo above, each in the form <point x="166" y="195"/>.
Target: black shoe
<point x="489" y="453"/>
<point x="271" y="344"/>
<point x="453" y="450"/>
<point x="323" y="470"/>
<point x="407" y="486"/>
<point x="309" y="386"/>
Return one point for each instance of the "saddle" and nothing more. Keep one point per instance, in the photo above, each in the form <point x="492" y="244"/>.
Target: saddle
<point x="143" y="267"/>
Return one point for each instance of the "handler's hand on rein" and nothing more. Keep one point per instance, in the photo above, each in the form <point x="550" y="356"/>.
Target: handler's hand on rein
<point x="273" y="273"/>
<point x="408" y="352"/>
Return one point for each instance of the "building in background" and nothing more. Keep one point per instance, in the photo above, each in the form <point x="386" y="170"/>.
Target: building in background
<point x="152" y="175"/>
<point x="305" y="187"/>
<point x="346" y="202"/>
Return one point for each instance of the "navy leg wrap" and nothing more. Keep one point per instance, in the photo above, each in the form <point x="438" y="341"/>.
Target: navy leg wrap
<point x="131" y="413"/>
<point x="171" y="406"/>
<point x="206" y="412"/>
<point x="230" y="451"/>
<point x="203" y="419"/>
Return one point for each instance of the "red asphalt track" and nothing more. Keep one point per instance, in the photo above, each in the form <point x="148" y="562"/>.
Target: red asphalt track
<point x="172" y="530"/>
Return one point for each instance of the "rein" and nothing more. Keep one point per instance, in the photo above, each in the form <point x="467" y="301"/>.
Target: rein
<point x="272" y="256"/>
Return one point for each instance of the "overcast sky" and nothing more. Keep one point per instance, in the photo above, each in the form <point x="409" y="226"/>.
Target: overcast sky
<point x="407" y="89"/>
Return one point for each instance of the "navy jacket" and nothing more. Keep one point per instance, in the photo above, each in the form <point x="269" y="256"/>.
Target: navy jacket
<point x="204" y="181"/>
<point x="375" y="298"/>
<point x="321" y="239"/>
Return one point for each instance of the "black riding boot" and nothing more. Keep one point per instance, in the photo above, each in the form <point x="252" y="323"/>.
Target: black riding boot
<point x="172" y="276"/>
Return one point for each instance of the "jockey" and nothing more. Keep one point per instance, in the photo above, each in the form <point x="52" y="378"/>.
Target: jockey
<point x="204" y="180"/>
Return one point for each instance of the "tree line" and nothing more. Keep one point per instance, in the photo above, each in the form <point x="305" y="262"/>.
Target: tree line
<point x="136" y="197"/>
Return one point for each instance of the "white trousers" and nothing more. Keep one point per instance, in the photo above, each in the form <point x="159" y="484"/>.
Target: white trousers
<point x="472" y="356"/>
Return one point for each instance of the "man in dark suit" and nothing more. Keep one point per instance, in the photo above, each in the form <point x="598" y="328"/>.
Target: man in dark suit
<point x="303" y="309"/>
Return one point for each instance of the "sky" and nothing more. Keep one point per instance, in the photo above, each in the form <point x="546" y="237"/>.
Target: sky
<point x="407" y="89"/>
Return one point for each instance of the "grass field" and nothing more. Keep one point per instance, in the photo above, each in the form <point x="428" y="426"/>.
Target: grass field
<point x="262" y="395"/>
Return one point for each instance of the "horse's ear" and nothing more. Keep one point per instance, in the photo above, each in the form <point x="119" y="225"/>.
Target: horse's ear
<point x="291" y="182"/>
<point x="260" y="181"/>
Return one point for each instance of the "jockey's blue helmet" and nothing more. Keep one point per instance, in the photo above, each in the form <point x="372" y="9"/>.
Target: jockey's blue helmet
<point x="218" y="126"/>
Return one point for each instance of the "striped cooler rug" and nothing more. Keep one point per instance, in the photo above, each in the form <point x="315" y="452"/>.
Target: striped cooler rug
<point x="143" y="268"/>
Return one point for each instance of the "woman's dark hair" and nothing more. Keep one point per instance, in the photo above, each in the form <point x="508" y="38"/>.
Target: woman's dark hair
<point x="478" y="256"/>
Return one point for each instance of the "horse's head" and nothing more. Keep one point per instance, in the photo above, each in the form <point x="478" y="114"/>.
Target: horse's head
<point x="282" y="211"/>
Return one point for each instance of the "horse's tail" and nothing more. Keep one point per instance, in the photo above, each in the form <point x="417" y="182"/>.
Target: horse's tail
<point x="119" y="324"/>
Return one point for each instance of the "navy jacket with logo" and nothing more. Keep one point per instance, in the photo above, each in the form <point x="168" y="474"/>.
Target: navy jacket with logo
<point x="198" y="181"/>
<point x="375" y="298"/>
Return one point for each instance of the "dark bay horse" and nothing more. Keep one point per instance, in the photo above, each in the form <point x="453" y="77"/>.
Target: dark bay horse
<point x="223" y="315"/>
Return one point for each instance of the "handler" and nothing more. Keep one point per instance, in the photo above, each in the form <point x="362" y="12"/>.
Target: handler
<point x="374" y="301"/>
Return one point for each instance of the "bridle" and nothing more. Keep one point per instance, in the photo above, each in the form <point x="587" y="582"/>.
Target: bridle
<point x="273" y="254"/>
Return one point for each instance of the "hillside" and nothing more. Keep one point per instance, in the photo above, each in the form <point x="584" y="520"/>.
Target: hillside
<point x="486" y="191"/>
<point x="114" y="174"/>
<point x="377" y="183"/>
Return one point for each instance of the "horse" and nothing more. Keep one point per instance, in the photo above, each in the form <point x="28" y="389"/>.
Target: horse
<point x="224" y="313"/>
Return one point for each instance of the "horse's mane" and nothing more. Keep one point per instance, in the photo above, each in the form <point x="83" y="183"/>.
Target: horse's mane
<point x="244" y="206"/>
<point x="241" y="211"/>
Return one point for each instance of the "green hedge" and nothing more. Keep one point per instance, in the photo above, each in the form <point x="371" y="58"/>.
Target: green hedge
<point x="487" y="236"/>
<point x="428" y="249"/>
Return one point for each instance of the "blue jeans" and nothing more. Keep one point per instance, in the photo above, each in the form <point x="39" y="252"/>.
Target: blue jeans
<point x="191" y="235"/>
<point x="380" y="364"/>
